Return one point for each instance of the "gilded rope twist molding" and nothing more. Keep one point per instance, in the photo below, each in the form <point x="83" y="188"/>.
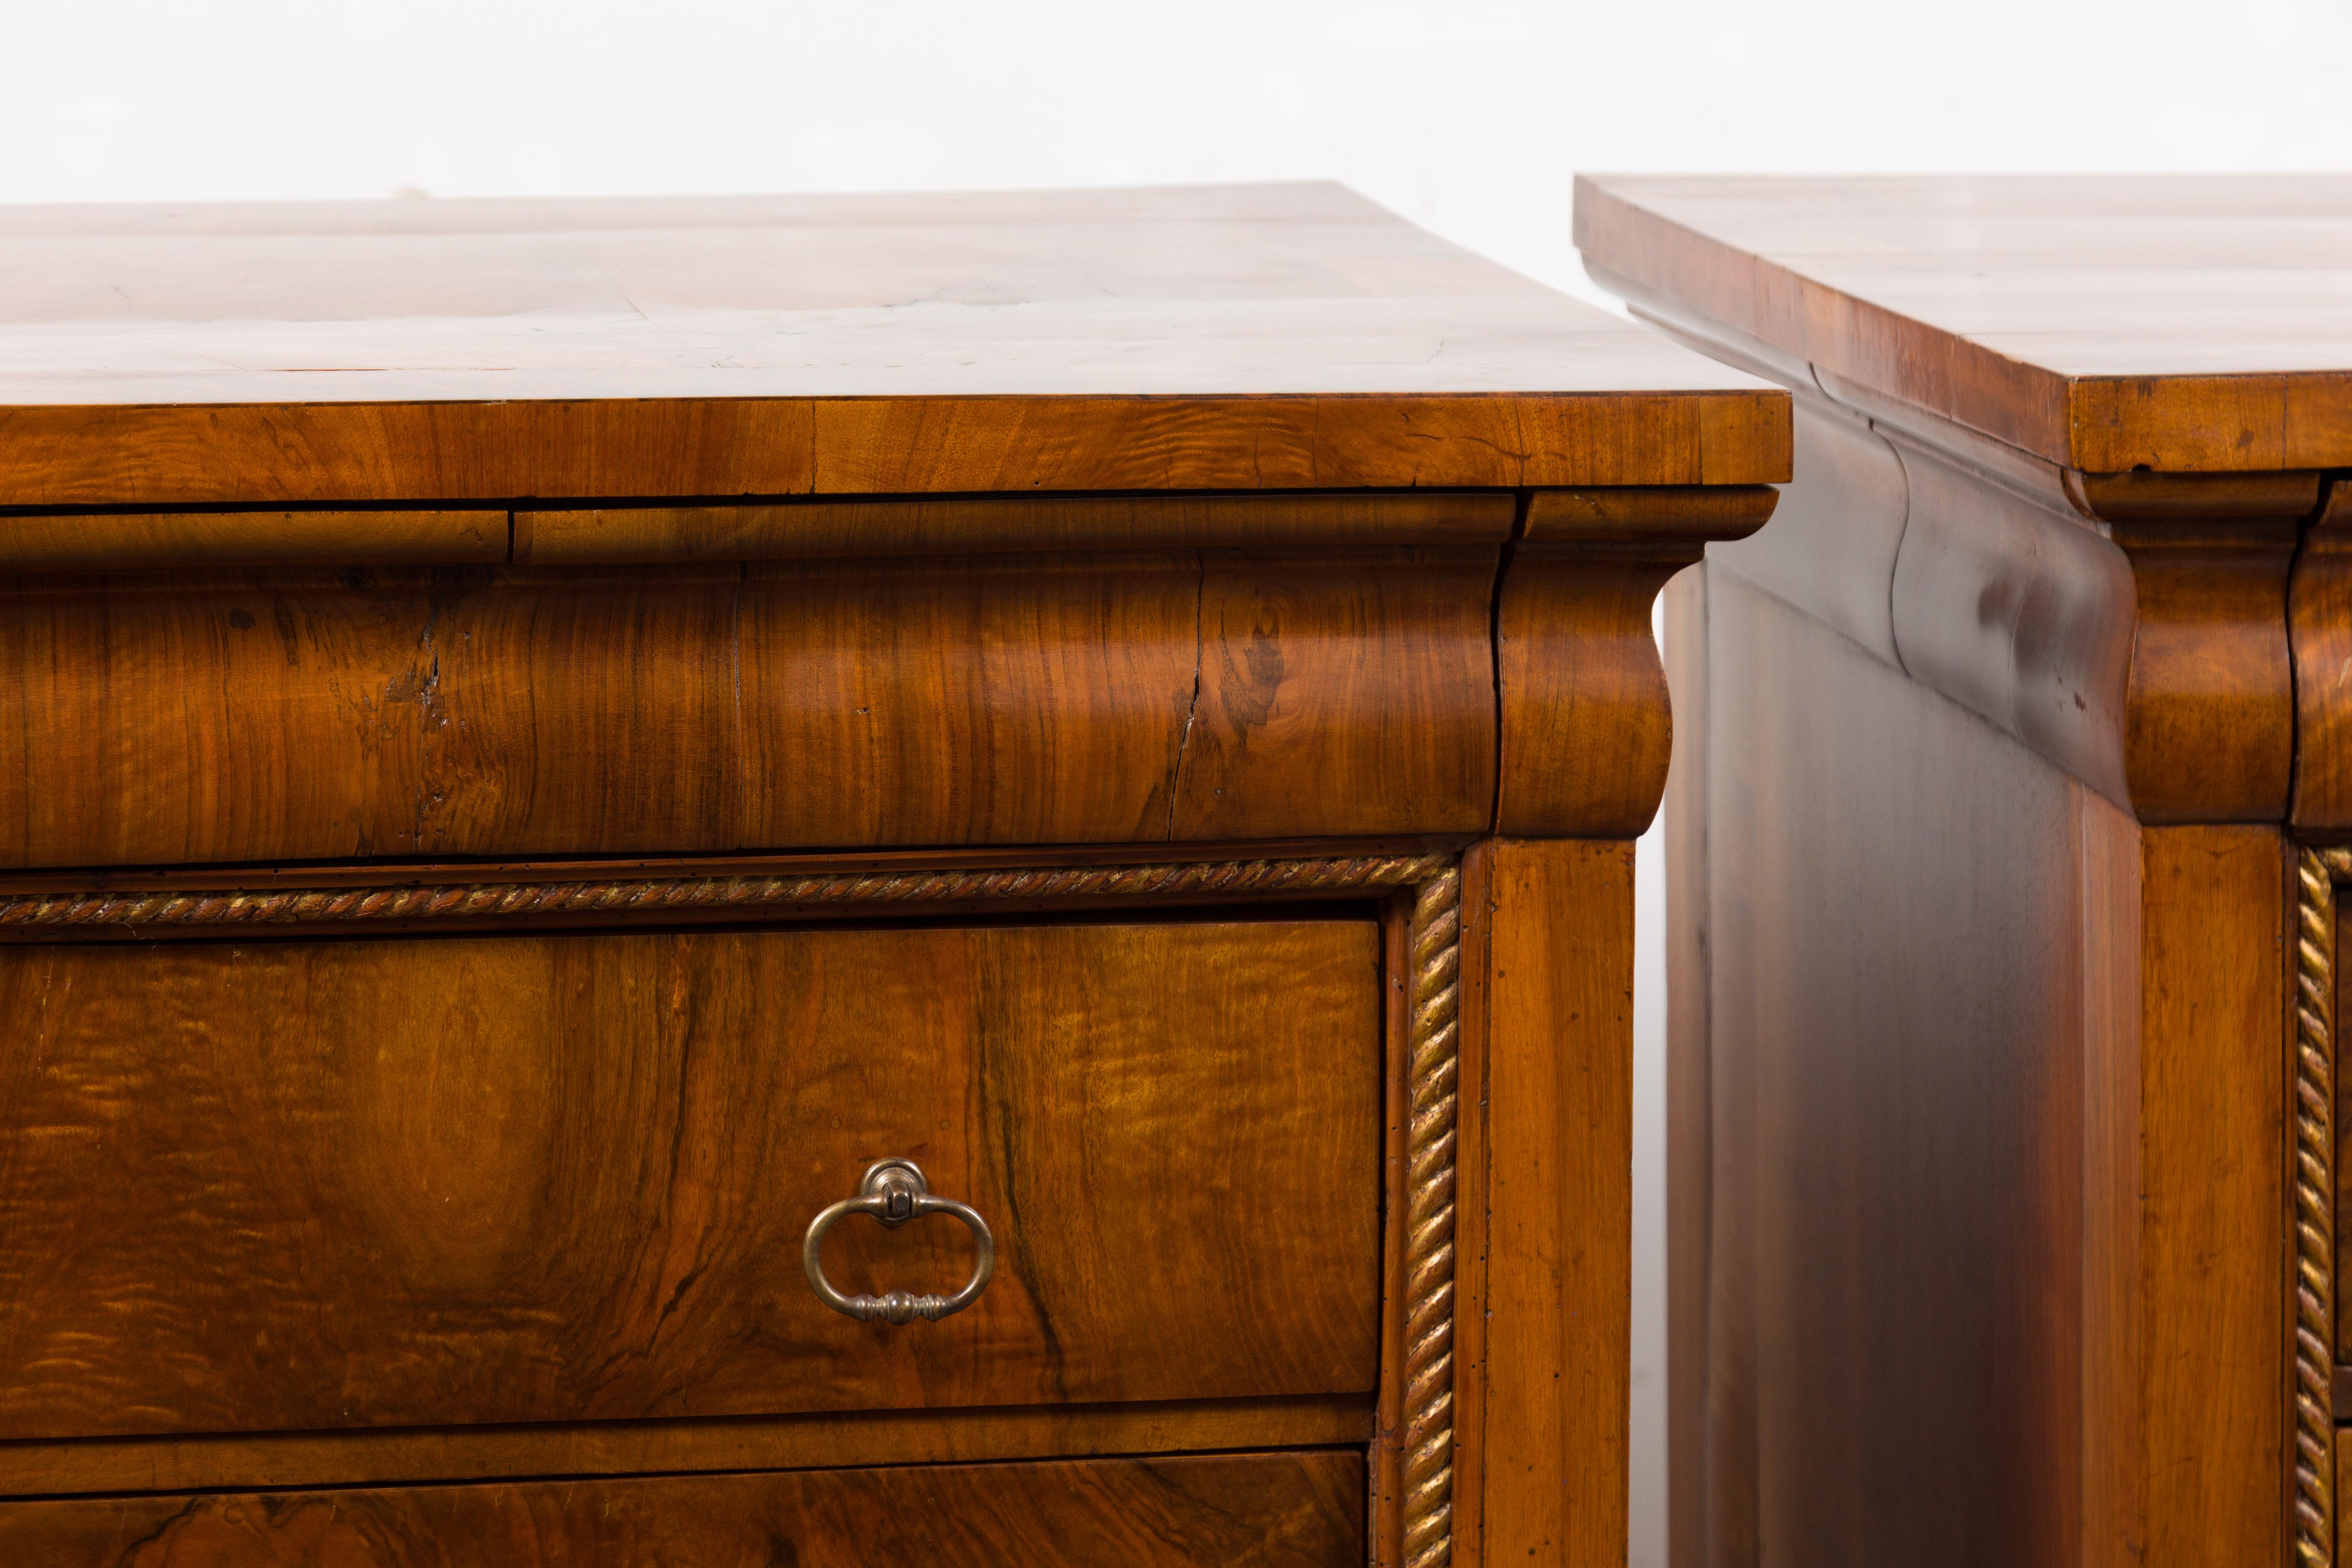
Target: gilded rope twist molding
<point x="1432" y="1071"/>
<point x="2315" y="1203"/>
<point x="660" y="895"/>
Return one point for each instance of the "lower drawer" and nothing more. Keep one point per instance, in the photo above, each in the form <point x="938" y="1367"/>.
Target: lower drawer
<point x="1299" y="1509"/>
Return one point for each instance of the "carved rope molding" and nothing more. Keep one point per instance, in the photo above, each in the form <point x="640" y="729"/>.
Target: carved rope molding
<point x="1433" y="1072"/>
<point x="1433" y="1045"/>
<point x="2314" y="1206"/>
<point x="655" y="895"/>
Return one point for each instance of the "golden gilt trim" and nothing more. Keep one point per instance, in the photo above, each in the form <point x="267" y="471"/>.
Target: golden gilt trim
<point x="658" y="896"/>
<point x="2318" y="871"/>
<point x="1432" y="1071"/>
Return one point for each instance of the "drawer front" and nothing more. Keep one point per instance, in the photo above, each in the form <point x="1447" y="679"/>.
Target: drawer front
<point x="1298" y="1511"/>
<point x="419" y="1182"/>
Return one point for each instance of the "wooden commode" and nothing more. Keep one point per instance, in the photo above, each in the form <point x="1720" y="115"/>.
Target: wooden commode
<point x="824" y="882"/>
<point x="2007" y="839"/>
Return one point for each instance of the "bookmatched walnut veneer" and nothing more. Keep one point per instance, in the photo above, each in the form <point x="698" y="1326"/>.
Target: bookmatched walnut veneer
<point x="940" y="879"/>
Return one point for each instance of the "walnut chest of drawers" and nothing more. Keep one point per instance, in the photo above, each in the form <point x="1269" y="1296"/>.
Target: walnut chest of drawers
<point x="2005" y="862"/>
<point x="823" y="881"/>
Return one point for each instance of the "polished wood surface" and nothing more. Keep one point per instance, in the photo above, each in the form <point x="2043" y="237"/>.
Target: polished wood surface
<point x="2101" y="322"/>
<point x="173" y="540"/>
<point x="1586" y="728"/>
<point x="378" y="1457"/>
<point x="1983" y="1131"/>
<point x="244" y="717"/>
<point x="1302" y="1509"/>
<point x="2209" y="708"/>
<point x="1988" y="1121"/>
<point x="570" y="1182"/>
<point x="1256" y="337"/>
<point x="2214" y="1152"/>
<point x="1547" y="1161"/>
<point x="809" y="530"/>
<point x="2149" y="657"/>
<point x="546" y="736"/>
<point x="1386" y="1454"/>
<point x="1894" y="1199"/>
<point x="2321" y="621"/>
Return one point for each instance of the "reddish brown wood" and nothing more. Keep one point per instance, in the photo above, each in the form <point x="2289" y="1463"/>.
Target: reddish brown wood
<point x="1893" y="1227"/>
<point x="1586" y="728"/>
<point x="2321" y="618"/>
<point x="1316" y="674"/>
<point x="283" y="716"/>
<point x="1546" y="1201"/>
<point x="380" y="1457"/>
<point x="815" y="529"/>
<point x="1554" y="1113"/>
<point x="374" y="1183"/>
<point x="466" y="1123"/>
<point x="2190" y="324"/>
<point x="2214" y="1152"/>
<point x="2036" y="1184"/>
<point x="153" y="541"/>
<point x="2209" y="725"/>
<point x="1386" y="1453"/>
<point x="1475" y="1370"/>
<point x="1298" y="1511"/>
<point x="765" y="346"/>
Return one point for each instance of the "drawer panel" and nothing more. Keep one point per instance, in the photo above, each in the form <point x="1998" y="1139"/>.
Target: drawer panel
<point x="304" y="1186"/>
<point x="266" y="717"/>
<point x="1298" y="1511"/>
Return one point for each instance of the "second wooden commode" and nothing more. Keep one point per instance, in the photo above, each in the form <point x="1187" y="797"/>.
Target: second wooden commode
<point x="2016" y="781"/>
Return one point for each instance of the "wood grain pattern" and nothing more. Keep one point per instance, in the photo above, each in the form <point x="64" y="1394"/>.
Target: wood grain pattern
<point x="2112" y="924"/>
<point x="2147" y="657"/>
<point x="510" y="712"/>
<point x="159" y="541"/>
<point x="2037" y="1186"/>
<point x="1551" y="1181"/>
<point x="1897" y="1149"/>
<point x="2209" y="714"/>
<point x="2215" y="1151"/>
<point x="380" y="1456"/>
<point x="2015" y="609"/>
<point x="1080" y="862"/>
<point x="372" y="1183"/>
<point x="962" y="525"/>
<point x="1257" y="338"/>
<point x="1586" y="726"/>
<point x="1385" y="1454"/>
<point x="2321" y="619"/>
<point x="1317" y="673"/>
<point x="1475" y="1370"/>
<point x="2102" y="322"/>
<point x="1295" y="1510"/>
<point x="1630" y="515"/>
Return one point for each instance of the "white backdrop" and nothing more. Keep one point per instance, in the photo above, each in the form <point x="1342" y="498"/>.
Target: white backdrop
<point x="1468" y="118"/>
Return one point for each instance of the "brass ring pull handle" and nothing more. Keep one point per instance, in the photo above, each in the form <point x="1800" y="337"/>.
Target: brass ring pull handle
<point x="894" y="1192"/>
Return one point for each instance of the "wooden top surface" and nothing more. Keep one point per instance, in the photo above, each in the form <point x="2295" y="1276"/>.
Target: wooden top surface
<point x="1280" y="334"/>
<point x="2190" y="324"/>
